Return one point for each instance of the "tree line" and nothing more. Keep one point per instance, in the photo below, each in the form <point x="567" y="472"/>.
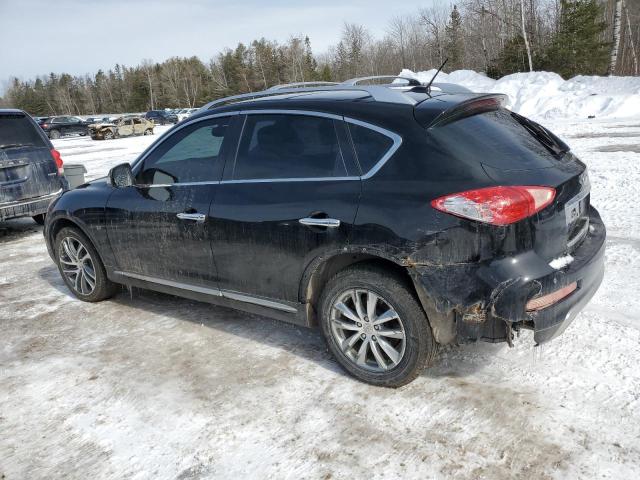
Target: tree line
<point x="499" y="37"/>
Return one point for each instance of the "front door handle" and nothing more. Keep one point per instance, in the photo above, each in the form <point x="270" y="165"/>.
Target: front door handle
<point x="196" y="217"/>
<point x="320" y="222"/>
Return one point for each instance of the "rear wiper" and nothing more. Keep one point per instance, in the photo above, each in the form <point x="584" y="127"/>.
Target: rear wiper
<point x="549" y="140"/>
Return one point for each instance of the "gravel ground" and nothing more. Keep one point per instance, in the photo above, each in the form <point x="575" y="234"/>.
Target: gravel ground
<point x="152" y="386"/>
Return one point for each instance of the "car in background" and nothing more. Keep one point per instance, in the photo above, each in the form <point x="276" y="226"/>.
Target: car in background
<point x="91" y="120"/>
<point x="185" y="113"/>
<point x="31" y="173"/>
<point x="161" y="117"/>
<point x="121" y="127"/>
<point x="56" y="127"/>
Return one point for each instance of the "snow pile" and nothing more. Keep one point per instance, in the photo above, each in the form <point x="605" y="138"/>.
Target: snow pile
<point x="548" y="95"/>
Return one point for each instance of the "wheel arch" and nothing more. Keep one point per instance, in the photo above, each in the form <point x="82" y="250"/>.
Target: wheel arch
<point x="62" y="222"/>
<point x="323" y="268"/>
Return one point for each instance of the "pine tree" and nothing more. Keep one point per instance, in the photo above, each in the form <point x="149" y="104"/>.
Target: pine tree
<point x="577" y="48"/>
<point x="454" y="46"/>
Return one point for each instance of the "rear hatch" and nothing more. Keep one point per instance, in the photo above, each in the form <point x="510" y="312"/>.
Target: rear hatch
<point x="514" y="150"/>
<point x="27" y="168"/>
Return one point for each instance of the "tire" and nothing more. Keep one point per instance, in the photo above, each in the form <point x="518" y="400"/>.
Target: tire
<point x="108" y="135"/>
<point x="54" y="134"/>
<point x="148" y="131"/>
<point x="39" y="219"/>
<point x="412" y="353"/>
<point x="102" y="288"/>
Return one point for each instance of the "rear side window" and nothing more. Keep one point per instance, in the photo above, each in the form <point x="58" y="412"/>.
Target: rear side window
<point x="371" y="146"/>
<point x="17" y="130"/>
<point x="277" y="146"/>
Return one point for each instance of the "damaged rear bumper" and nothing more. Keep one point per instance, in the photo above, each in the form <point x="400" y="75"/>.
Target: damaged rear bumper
<point x="487" y="301"/>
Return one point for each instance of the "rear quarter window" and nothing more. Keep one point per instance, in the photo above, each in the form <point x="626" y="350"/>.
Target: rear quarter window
<point x="17" y="129"/>
<point x="370" y="145"/>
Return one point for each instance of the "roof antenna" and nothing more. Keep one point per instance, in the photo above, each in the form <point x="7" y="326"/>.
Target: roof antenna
<point x="435" y="75"/>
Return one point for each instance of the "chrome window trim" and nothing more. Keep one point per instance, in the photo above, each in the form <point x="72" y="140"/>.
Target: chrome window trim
<point x="280" y="111"/>
<point x="397" y="142"/>
<point x="216" y="292"/>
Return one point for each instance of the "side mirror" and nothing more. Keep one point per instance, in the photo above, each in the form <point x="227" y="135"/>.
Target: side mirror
<point x="121" y="176"/>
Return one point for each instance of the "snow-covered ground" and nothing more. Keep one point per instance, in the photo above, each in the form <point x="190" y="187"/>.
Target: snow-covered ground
<point x="148" y="386"/>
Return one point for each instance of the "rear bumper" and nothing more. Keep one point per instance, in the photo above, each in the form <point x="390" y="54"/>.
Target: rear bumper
<point x="27" y="208"/>
<point x="488" y="301"/>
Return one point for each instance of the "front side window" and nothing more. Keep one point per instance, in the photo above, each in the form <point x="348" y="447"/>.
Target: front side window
<point x="277" y="146"/>
<point x="192" y="154"/>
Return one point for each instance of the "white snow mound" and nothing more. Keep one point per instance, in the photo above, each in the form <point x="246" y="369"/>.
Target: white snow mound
<point x="548" y="95"/>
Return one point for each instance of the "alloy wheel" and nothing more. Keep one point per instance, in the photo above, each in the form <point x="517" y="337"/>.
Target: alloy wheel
<point x="77" y="265"/>
<point x="368" y="330"/>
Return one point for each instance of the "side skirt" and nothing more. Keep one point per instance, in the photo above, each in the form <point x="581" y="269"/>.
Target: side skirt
<point x="287" y="312"/>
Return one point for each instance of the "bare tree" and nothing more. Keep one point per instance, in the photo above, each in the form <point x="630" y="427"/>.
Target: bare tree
<point x="617" y="14"/>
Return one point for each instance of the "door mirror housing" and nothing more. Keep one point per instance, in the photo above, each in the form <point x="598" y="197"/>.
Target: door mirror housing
<point x="121" y="176"/>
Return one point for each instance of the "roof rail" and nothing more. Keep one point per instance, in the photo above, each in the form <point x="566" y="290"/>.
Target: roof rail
<point x="355" y="81"/>
<point x="301" y="84"/>
<point x="379" y="93"/>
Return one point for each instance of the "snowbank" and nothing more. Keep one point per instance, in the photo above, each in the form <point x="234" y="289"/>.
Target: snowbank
<point x="548" y="95"/>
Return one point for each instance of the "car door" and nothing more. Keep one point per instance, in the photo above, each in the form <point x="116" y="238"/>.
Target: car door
<point x="159" y="229"/>
<point x="125" y="128"/>
<point x="288" y="198"/>
<point x="76" y="125"/>
<point x="138" y="126"/>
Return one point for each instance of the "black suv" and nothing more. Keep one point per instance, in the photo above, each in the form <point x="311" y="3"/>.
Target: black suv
<point x="31" y="173"/>
<point x="56" y="127"/>
<point x="396" y="217"/>
<point x="161" y="117"/>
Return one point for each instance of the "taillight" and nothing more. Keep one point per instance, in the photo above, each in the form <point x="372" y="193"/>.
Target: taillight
<point x="496" y="205"/>
<point x="58" y="159"/>
<point x="44" y="125"/>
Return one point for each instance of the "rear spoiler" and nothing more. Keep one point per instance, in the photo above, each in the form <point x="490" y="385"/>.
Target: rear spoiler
<point x="454" y="107"/>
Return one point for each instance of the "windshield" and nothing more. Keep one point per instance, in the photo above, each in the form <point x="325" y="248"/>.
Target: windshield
<point x="17" y="131"/>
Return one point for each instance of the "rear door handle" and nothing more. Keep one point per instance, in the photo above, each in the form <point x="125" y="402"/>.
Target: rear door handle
<point x="320" y="222"/>
<point x="196" y="217"/>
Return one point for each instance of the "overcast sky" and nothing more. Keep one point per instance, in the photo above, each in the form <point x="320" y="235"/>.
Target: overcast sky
<point x="81" y="36"/>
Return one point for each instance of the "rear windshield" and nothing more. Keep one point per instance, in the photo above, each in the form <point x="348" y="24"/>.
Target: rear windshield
<point x="496" y="139"/>
<point x="17" y="130"/>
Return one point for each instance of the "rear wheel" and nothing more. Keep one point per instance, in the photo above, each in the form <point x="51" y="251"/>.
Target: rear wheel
<point x="374" y="326"/>
<point x="39" y="219"/>
<point x="54" y="134"/>
<point x="81" y="267"/>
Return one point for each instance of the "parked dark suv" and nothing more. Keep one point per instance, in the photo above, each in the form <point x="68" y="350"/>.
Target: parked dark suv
<point x="31" y="173"/>
<point x="56" y="127"/>
<point x="161" y="117"/>
<point x="396" y="217"/>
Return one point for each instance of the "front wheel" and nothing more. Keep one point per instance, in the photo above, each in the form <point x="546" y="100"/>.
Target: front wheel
<point x="108" y="135"/>
<point x="375" y="327"/>
<point x="148" y="131"/>
<point x="54" y="134"/>
<point x="81" y="267"/>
